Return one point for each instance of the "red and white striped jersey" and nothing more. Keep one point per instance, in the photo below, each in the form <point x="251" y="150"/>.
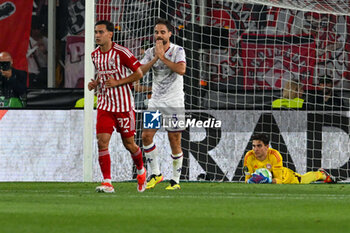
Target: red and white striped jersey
<point x="114" y="64"/>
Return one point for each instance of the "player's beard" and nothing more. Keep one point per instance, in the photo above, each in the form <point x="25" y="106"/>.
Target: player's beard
<point x="164" y="41"/>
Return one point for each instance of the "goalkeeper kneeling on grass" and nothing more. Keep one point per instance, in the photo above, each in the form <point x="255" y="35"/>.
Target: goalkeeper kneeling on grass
<point x="262" y="156"/>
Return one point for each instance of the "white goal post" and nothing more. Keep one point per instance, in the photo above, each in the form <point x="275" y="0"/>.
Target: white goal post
<point x="89" y="72"/>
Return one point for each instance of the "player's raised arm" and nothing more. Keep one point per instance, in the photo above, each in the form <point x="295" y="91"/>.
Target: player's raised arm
<point x="148" y="62"/>
<point x="179" y="67"/>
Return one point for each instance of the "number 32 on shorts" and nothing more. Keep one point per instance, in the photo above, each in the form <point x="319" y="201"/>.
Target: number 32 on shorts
<point x="124" y="123"/>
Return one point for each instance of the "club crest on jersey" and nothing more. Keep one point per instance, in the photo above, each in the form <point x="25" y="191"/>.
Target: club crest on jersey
<point x="268" y="166"/>
<point x="111" y="61"/>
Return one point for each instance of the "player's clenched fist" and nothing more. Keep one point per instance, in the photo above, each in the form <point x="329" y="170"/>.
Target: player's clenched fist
<point x="93" y="84"/>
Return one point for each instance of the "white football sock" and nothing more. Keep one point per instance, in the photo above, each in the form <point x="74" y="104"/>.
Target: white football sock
<point x="177" y="166"/>
<point x="140" y="172"/>
<point x="151" y="154"/>
<point x="107" y="181"/>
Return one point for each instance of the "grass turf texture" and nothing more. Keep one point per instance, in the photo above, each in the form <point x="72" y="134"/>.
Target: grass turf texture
<point x="197" y="207"/>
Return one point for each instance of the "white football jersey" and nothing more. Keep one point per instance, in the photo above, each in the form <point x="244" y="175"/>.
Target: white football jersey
<point x="166" y="84"/>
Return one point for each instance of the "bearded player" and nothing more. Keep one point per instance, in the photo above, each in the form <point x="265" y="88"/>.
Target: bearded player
<point x="262" y="156"/>
<point x="168" y="63"/>
<point x="115" y="104"/>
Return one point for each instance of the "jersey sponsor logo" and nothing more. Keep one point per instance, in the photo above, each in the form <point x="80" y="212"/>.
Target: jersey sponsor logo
<point x="107" y="72"/>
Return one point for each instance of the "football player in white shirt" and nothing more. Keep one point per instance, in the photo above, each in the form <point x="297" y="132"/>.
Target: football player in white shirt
<point x="168" y="63"/>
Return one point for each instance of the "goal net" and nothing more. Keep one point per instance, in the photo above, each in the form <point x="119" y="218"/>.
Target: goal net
<point x="279" y="67"/>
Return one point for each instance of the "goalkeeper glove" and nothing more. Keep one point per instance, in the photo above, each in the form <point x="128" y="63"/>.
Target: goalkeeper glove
<point x="258" y="179"/>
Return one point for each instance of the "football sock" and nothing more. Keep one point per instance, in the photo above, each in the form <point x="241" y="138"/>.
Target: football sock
<point x="141" y="171"/>
<point x="310" y="177"/>
<point x="177" y="166"/>
<point x="104" y="160"/>
<point x="107" y="181"/>
<point x="151" y="154"/>
<point x="137" y="157"/>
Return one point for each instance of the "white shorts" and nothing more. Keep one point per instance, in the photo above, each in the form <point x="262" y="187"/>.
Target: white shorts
<point x="173" y="113"/>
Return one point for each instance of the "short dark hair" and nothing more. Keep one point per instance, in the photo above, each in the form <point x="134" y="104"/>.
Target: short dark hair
<point x="165" y="22"/>
<point x="326" y="79"/>
<point x="261" y="137"/>
<point x="109" y="25"/>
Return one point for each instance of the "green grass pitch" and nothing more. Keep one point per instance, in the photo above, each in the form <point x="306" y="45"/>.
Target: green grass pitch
<point x="197" y="207"/>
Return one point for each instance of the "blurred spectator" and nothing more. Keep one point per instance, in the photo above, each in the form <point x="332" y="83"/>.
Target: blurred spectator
<point x="70" y="45"/>
<point x="143" y="87"/>
<point x="291" y="97"/>
<point x="74" y="62"/>
<point x="325" y="98"/>
<point x="12" y="83"/>
<point x="37" y="56"/>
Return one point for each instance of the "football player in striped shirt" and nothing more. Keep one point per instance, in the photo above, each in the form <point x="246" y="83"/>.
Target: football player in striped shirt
<point x="168" y="64"/>
<point x="115" y="104"/>
<point x="262" y="156"/>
